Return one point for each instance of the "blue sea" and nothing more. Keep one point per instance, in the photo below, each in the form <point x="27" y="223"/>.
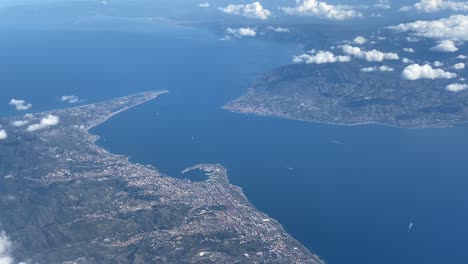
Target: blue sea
<point x="349" y="194"/>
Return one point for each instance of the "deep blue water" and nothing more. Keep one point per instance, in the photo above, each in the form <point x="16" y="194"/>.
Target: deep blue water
<point x="352" y="191"/>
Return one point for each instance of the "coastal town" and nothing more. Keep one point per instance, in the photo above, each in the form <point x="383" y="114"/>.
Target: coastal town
<point x="87" y="205"/>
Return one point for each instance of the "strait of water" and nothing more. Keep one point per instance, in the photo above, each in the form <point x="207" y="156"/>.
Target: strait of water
<point x="347" y="193"/>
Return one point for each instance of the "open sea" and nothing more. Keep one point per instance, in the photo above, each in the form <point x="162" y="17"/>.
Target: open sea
<point x="349" y="194"/>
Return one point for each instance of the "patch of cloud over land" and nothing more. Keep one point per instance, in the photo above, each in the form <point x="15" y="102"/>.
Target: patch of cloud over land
<point x="321" y="10"/>
<point x="454" y="28"/>
<point x="456" y="87"/>
<point x="254" y="10"/>
<point x="49" y="120"/>
<point x="5" y="249"/>
<point x="430" y="6"/>
<point x="320" y="58"/>
<point x="372" y="55"/>
<point x="445" y="46"/>
<point x="416" y="72"/>
<point x="3" y="136"/>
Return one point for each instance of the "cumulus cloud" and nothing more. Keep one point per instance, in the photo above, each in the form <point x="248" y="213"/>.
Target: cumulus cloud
<point x="416" y="72"/>
<point x="321" y="9"/>
<point x="320" y="57"/>
<point x="445" y="46"/>
<point x="383" y="68"/>
<point x="459" y="66"/>
<point x="5" y="249"/>
<point x="429" y="6"/>
<point x="456" y="87"/>
<point x="451" y="28"/>
<point x="360" y="40"/>
<point x="20" y="105"/>
<point x="410" y="50"/>
<point x="70" y="99"/>
<point x="253" y="10"/>
<point x="204" y="4"/>
<point x="19" y="123"/>
<point x="240" y="32"/>
<point x="372" y="55"/>
<point x="3" y="135"/>
<point x="461" y="57"/>
<point x="49" y="120"/>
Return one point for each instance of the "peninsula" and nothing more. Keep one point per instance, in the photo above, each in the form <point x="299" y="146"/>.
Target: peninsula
<point x="66" y="200"/>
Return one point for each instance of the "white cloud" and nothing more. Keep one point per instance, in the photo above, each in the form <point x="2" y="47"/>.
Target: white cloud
<point x="47" y="121"/>
<point x="452" y="28"/>
<point x="70" y="99"/>
<point x="438" y="63"/>
<point x="410" y="50"/>
<point x="456" y="87"/>
<point x="320" y="57"/>
<point x="382" y="68"/>
<point x="253" y="10"/>
<point x="462" y="57"/>
<point x="204" y="4"/>
<point x="416" y="72"/>
<point x="368" y="69"/>
<point x="445" y="46"/>
<point x="372" y="55"/>
<point x="429" y="6"/>
<point x="3" y="135"/>
<point x="360" y="40"/>
<point x="19" y="123"/>
<point x="406" y="60"/>
<point x="20" y="105"/>
<point x="278" y="29"/>
<point x="459" y="66"/>
<point x="241" y="32"/>
<point x="385" y="68"/>
<point x="321" y="9"/>
<point x="5" y="249"/>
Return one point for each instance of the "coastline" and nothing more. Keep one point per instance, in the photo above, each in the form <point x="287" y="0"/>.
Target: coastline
<point x="234" y="189"/>
<point x="155" y="94"/>
<point x="224" y="179"/>
<point x="236" y="110"/>
<point x="91" y="115"/>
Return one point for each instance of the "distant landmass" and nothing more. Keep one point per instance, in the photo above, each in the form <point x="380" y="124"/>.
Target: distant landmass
<point x="66" y="200"/>
<point x="340" y="93"/>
